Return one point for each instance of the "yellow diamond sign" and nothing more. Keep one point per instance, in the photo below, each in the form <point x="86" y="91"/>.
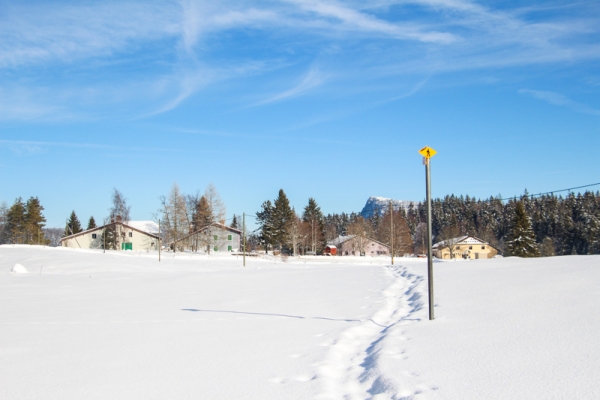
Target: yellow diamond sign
<point x="427" y="152"/>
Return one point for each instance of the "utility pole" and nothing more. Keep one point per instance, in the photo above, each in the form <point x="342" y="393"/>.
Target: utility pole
<point x="392" y="230"/>
<point x="244" y="237"/>
<point x="427" y="153"/>
<point x="159" y="246"/>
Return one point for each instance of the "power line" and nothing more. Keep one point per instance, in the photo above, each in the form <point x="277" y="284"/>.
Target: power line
<point x="554" y="191"/>
<point x="415" y="203"/>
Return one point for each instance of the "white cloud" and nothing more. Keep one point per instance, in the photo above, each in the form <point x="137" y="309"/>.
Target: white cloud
<point x="558" y="99"/>
<point x="64" y="33"/>
<point x="357" y="20"/>
<point x="312" y="79"/>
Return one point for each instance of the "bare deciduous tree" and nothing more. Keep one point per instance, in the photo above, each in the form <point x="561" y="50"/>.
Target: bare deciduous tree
<point x="361" y="229"/>
<point x="176" y="219"/>
<point x="119" y="207"/>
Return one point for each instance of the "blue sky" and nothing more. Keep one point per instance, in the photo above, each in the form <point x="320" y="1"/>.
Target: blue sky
<point x="325" y="99"/>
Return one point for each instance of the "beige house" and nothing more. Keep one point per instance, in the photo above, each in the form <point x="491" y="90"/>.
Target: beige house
<point x="359" y="246"/>
<point x="467" y="247"/>
<point x="134" y="235"/>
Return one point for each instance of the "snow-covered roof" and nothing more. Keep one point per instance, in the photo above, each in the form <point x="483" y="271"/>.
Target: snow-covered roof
<point x="146" y="226"/>
<point x="460" y="240"/>
<point x="340" y="239"/>
<point x="128" y="225"/>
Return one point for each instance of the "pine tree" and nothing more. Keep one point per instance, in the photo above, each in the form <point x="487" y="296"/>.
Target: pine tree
<point x="109" y="238"/>
<point x="34" y="221"/>
<point x="283" y="217"/>
<point x="265" y="220"/>
<point x="73" y="225"/>
<point x="234" y="222"/>
<point x="313" y="216"/>
<point x="91" y="223"/>
<point x="521" y="241"/>
<point x="15" y="222"/>
<point x="4" y="235"/>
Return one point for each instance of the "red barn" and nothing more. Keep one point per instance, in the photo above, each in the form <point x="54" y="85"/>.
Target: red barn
<point x="330" y="250"/>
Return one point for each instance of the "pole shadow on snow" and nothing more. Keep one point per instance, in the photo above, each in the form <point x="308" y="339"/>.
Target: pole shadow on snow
<point x="270" y="315"/>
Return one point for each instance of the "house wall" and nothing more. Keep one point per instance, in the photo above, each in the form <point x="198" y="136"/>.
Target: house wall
<point x="472" y="251"/>
<point x="139" y="240"/>
<point x="225" y="240"/>
<point x="371" y="248"/>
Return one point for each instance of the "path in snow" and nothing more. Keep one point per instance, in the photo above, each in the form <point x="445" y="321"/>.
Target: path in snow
<point x="352" y="368"/>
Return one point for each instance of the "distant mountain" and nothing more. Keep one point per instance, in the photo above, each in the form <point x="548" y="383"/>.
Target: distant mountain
<point x="381" y="205"/>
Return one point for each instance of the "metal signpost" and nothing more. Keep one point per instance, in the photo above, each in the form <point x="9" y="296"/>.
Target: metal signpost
<point x="427" y="152"/>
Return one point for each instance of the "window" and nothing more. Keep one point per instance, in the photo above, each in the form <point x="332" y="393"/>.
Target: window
<point x="216" y="248"/>
<point x="216" y="237"/>
<point x="482" y="247"/>
<point x="229" y="247"/>
<point x="130" y="234"/>
<point x="229" y="237"/>
<point x="93" y="236"/>
<point x="470" y="247"/>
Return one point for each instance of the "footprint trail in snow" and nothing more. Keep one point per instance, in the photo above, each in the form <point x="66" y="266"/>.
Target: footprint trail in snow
<point x="352" y="370"/>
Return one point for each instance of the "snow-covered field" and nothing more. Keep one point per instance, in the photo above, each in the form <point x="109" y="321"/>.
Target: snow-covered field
<point x="87" y="325"/>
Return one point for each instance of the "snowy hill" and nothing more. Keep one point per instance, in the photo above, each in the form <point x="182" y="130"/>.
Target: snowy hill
<point x="121" y="325"/>
<point x="381" y="205"/>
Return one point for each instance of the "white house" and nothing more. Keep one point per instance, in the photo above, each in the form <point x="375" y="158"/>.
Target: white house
<point x="134" y="235"/>
<point x="464" y="247"/>
<point x="215" y="237"/>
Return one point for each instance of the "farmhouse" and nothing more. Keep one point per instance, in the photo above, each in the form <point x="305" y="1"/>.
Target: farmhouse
<point x="467" y="247"/>
<point x="133" y="235"/>
<point x="214" y="237"/>
<point x="353" y="245"/>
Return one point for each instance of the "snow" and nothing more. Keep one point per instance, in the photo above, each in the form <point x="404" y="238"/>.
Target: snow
<point x="145" y="226"/>
<point x="381" y="204"/>
<point x="121" y="325"/>
<point x="19" y="269"/>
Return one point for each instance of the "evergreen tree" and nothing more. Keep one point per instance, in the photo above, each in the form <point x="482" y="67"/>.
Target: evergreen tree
<point x="521" y="241"/>
<point x="265" y="220"/>
<point x="91" y="223"/>
<point x="34" y="221"/>
<point x="234" y="222"/>
<point x="4" y="235"/>
<point x="109" y="238"/>
<point x="73" y="225"/>
<point x="283" y="218"/>
<point x="313" y="216"/>
<point x="15" y="222"/>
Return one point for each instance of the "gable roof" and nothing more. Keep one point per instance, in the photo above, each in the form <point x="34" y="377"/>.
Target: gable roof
<point x="215" y="224"/>
<point x="338" y="241"/>
<point x="98" y="228"/>
<point x="460" y="240"/>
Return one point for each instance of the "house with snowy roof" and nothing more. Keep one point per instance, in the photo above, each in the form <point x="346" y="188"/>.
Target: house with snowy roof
<point x="133" y="235"/>
<point x="354" y="245"/>
<point x="467" y="247"/>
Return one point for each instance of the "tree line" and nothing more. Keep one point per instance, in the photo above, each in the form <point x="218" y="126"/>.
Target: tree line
<point x="546" y="225"/>
<point x="282" y="229"/>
